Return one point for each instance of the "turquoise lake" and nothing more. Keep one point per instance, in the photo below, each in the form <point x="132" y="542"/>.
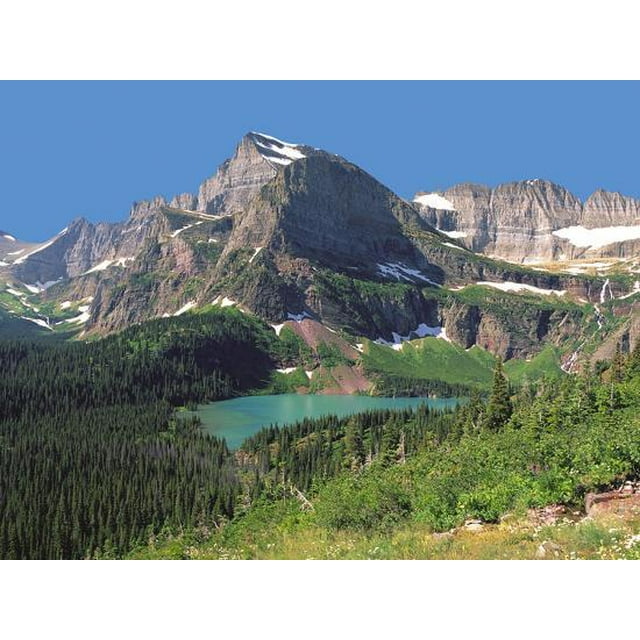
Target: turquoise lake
<point x="240" y="418"/>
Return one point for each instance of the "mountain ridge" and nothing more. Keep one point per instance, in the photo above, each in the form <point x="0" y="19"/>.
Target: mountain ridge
<point x="285" y="230"/>
<point x="532" y="220"/>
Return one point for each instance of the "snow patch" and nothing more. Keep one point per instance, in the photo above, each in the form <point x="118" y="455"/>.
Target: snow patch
<point x="309" y="374"/>
<point x="287" y="370"/>
<point x="177" y="232"/>
<point x="274" y="150"/>
<point x="8" y="237"/>
<point x="399" y="271"/>
<point x="453" y="246"/>
<point x="190" y="305"/>
<point x="21" y="259"/>
<point x="3" y="264"/>
<point x="39" y="287"/>
<point x="15" y="253"/>
<point x="82" y="318"/>
<point x="66" y="304"/>
<point x="636" y="289"/>
<point x="224" y="302"/>
<point x="256" y="251"/>
<point x="434" y="201"/>
<point x="422" y="331"/>
<point x="359" y="347"/>
<point x="454" y="234"/>
<point x="101" y="266"/>
<point x="278" y="328"/>
<point x="518" y="287"/>
<point x="39" y="321"/>
<point x="599" y="237"/>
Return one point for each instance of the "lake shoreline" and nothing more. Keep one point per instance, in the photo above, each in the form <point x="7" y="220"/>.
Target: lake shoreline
<point x="238" y="418"/>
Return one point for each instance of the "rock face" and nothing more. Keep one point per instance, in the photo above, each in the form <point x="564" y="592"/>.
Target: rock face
<point x="84" y="245"/>
<point x="326" y="209"/>
<point x="11" y="248"/>
<point x="255" y="162"/>
<point x="287" y="231"/>
<point x="518" y="221"/>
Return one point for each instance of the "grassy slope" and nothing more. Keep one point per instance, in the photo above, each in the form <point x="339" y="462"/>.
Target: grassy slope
<point x="545" y="363"/>
<point x="282" y="531"/>
<point x="434" y="359"/>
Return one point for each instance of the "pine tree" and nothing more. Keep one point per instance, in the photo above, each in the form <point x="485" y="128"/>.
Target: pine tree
<point x="354" y="445"/>
<point x="617" y="366"/>
<point x="633" y="362"/>
<point x="499" y="408"/>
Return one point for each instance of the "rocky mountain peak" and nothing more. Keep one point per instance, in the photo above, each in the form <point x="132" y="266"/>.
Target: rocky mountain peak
<point x="610" y="208"/>
<point x="145" y="208"/>
<point x="276" y="151"/>
<point x="237" y="180"/>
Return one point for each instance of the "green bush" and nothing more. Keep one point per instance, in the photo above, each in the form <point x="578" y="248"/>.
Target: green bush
<point x="362" y="502"/>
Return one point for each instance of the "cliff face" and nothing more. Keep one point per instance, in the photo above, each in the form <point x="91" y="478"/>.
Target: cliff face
<point x="518" y="221"/>
<point x="255" y="162"/>
<point x="608" y="209"/>
<point x="11" y="248"/>
<point x="287" y="231"/>
<point x="84" y="246"/>
<point x="326" y="209"/>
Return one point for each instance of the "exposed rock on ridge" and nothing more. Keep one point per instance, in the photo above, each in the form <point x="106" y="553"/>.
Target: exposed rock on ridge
<point x="516" y="221"/>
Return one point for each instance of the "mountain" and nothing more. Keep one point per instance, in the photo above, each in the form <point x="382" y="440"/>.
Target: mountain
<point x="535" y="221"/>
<point x="295" y="234"/>
<point x="324" y="240"/>
<point x="11" y="248"/>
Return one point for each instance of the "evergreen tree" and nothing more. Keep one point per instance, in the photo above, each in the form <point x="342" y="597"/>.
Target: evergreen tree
<point x="633" y="362"/>
<point x="617" y="365"/>
<point x="499" y="408"/>
<point x="354" y="445"/>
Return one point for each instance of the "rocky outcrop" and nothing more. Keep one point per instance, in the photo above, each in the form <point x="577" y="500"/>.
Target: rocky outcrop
<point x="11" y="248"/>
<point x="515" y="330"/>
<point x="608" y="209"/>
<point x="84" y="246"/>
<point x="517" y="221"/>
<point x="256" y="161"/>
<point x="624" y="501"/>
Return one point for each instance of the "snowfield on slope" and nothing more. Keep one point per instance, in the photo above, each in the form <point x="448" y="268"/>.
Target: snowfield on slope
<point x="454" y="234"/>
<point x="275" y="150"/>
<point x="599" y="237"/>
<point x="422" y="331"/>
<point x="518" y="287"/>
<point x="434" y="201"/>
<point x="401" y="272"/>
<point x="21" y="259"/>
<point x="187" y="307"/>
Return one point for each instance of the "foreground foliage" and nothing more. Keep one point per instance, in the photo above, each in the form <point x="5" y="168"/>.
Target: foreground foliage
<point x="382" y="484"/>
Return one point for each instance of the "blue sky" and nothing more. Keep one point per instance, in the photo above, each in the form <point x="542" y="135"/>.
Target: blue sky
<point x="89" y="148"/>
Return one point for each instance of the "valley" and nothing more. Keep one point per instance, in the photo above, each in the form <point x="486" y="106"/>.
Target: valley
<point x="296" y="348"/>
